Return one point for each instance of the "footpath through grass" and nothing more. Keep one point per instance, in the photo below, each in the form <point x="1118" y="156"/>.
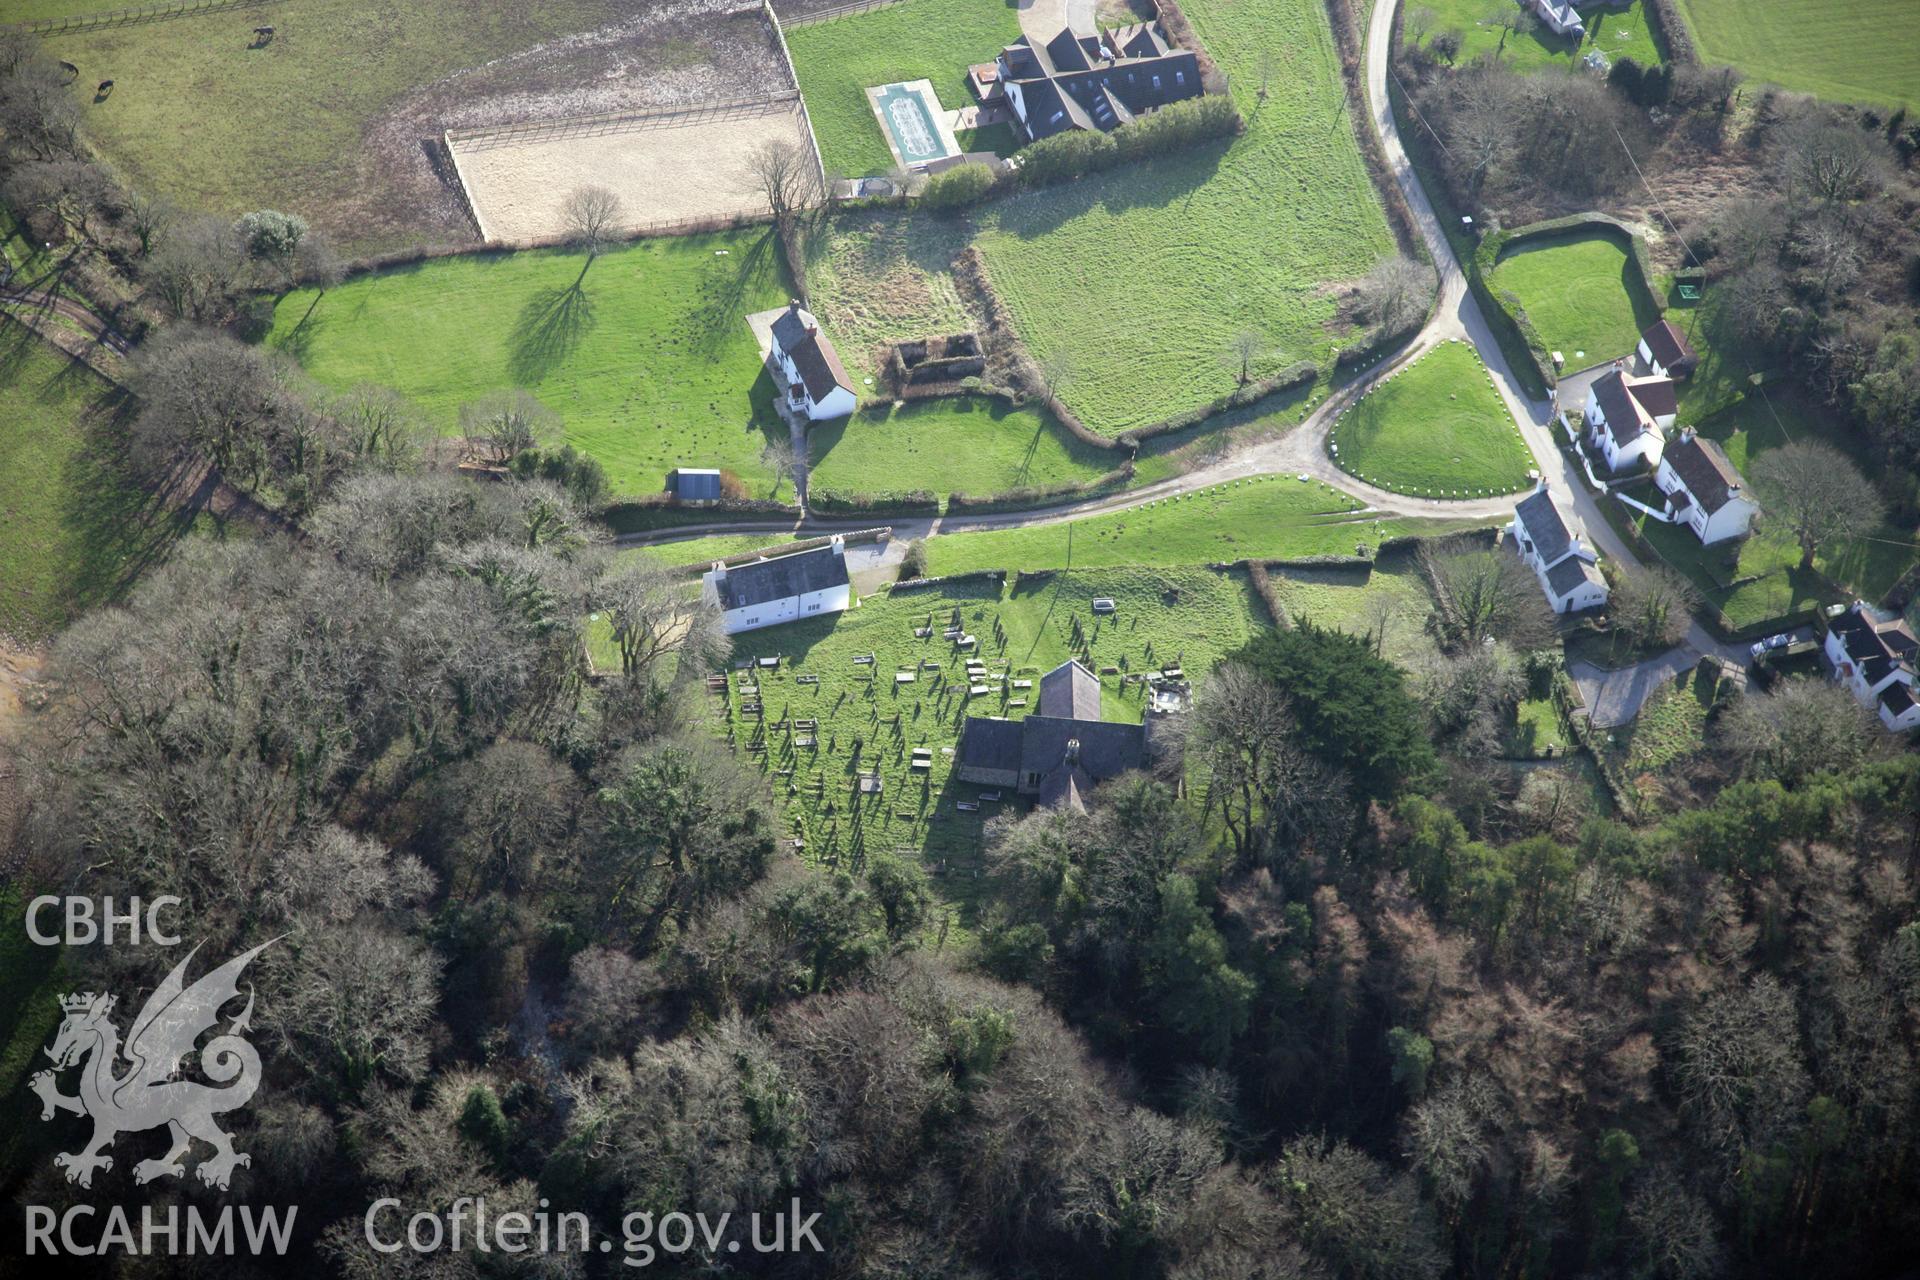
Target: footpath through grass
<point x="1140" y="278"/>
<point x="1859" y="51"/>
<point x="1582" y="292"/>
<point x="968" y="445"/>
<point x="1617" y="33"/>
<point x="1437" y="428"/>
<point x="865" y="719"/>
<point x="74" y="528"/>
<point x="1264" y="518"/>
<point x="647" y="357"/>
<point x="838" y="60"/>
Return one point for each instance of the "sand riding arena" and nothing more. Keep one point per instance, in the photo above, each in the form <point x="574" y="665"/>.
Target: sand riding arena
<point x="670" y="166"/>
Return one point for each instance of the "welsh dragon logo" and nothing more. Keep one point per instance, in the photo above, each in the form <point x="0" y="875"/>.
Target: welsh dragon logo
<point x="147" y="1095"/>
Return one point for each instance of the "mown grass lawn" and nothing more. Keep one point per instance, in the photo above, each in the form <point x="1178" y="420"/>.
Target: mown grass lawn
<point x="74" y="527"/>
<point x="647" y="357"/>
<point x="838" y="60"/>
<point x="866" y="720"/>
<point x="970" y="445"/>
<point x="1536" y="732"/>
<point x="1582" y="292"/>
<point x="1140" y="278"/>
<point x="1860" y="51"/>
<point x="1265" y="518"/>
<point x="1388" y="603"/>
<point x="1618" y="33"/>
<point x="1437" y="428"/>
<point x="198" y="116"/>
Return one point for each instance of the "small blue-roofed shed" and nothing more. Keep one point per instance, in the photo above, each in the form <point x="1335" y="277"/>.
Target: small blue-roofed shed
<point x="694" y="484"/>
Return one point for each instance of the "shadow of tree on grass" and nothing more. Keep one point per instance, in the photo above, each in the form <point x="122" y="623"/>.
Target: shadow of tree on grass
<point x="548" y="328"/>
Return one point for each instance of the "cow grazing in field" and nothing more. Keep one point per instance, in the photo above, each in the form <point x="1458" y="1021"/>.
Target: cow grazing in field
<point x="68" y="73"/>
<point x="105" y="88"/>
<point x="262" y="37"/>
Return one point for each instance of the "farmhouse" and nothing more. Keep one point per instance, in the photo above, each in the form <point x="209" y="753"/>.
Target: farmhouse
<point x="1559" y="17"/>
<point x="1873" y="656"/>
<point x="771" y="590"/>
<point x="694" y="484"/>
<point x="1058" y="754"/>
<point x="1665" y="350"/>
<point x="1556" y="554"/>
<point x="1626" y="415"/>
<point x="1703" y="490"/>
<point x="1100" y="81"/>
<point x="817" y="383"/>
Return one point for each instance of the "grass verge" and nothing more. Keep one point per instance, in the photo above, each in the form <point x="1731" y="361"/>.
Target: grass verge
<point x="1436" y="428"/>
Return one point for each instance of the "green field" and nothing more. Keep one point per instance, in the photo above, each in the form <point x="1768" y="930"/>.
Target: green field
<point x="1388" y="603"/>
<point x="1860" y="51"/>
<point x="1582" y="292"/>
<point x="1140" y="278"/>
<point x="866" y="720"/>
<point x="1265" y="518"/>
<point x="73" y="528"/>
<point x="950" y="445"/>
<point x="837" y="61"/>
<point x="1436" y="428"/>
<point x="1618" y="33"/>
<point x="198" y="116"/>
<point x="647" y="358"/>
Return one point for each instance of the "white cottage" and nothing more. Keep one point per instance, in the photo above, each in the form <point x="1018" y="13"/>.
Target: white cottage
<point x="1873" y="657"/>
<point x="816" y="382"/>
<point x="1559" y="17"/>
<point x="1626" y="417"/>
<point x="1665" y="351"/>
<point x="1703" y="490"/>
<point x="772" y="590"/>
<point x="1562" y="561"/>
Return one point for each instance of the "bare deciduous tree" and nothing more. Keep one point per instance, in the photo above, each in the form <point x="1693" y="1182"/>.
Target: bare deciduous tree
<point x="1653" y="605"/>
<point x="1819" y="155"/>
<point x="652" y="617"/>
<point x="358" y="1002"/>
<point x="1818" y="493"/>
<point x="591" y="215"/>
<point x="149" y="217"/>
<point x="508" y="423"/>
<point x="784" y="174"/>
<point x="1489" y="594"/>
<point x="780" y="457"/>
<point x="1269" y="791"/>
<point x="1394" y="295"/>
<point x="1802" y="726"/>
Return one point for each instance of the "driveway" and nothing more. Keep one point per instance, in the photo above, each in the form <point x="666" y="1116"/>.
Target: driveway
<point x="1041" y="20"/>
<point x="1614" y="698"/>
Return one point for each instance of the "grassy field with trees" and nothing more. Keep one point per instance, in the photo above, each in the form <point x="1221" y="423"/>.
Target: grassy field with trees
<point x="1135" y="283"/>
<point x="1435" y="428"/>
<point x="1481" y="26"/>
<point x="1862" y="51"/>
<point x="645" y="353"/>
<point x="838" y="60"/>
<point x="198" y="116"/>
<point x="1582" y="293"/>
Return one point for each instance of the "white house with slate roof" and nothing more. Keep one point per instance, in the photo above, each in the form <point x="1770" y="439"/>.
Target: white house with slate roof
<point x="1098" y="81"/>
<point x="1626" y="417"/>
<point x="1874" y="657"/>
<point x="772" y="590"/>
<point x="1058" y="754"/>
<point x="1559" y="17"/>
<point x="816" y="382"/>
<point x="1703" y="490"/>
<point x="1666" y="351"/>
<point x="1563" y="562"/>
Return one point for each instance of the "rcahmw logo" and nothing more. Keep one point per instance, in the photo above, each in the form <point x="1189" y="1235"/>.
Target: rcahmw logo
<point x="134" y="1086"/>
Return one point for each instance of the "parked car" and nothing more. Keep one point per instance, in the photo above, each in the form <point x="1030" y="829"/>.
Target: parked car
<point x="1102" y="604"/>
<point x="1761" y="648"/>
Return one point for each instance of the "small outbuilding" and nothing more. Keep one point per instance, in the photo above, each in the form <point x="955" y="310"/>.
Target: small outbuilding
<point x="1665" y="350"/>
<point x="694" y="484"/>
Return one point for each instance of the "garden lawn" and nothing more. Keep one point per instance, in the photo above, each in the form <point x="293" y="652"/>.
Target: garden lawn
<point x="1389" y="602"/>
<point x="73" y="528"/>
<point x="1265" y="518"/>
<point x="649" y="360"/>
<point x="838" y="60"/>
<point x="866" y="720"/>
<point x="1435" y="428"/>
<point x="1537" y="732"/>
<point x="1582" y="292"/>
<point x="1138" y="279"/>
<point x="1618" y="33"/>
<point x="1859" y="51"/>
<point x="1671" y="727"/>
<point x="970" y="445"/>
<point x="198" y="116"/>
